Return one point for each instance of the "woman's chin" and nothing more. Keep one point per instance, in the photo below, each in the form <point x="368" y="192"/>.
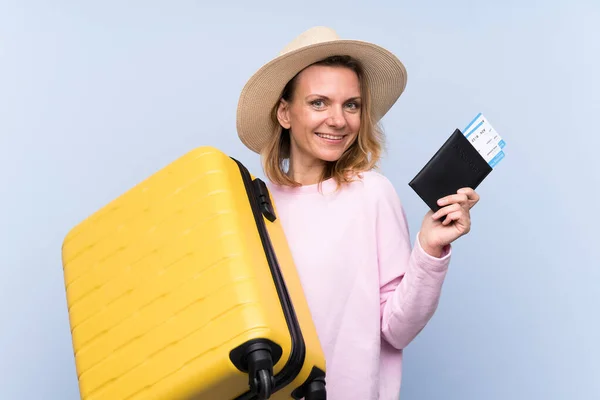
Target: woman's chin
<point x="330" y="155"/>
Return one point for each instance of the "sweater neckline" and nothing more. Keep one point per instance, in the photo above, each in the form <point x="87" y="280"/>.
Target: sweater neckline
<point x="327" y="186"/>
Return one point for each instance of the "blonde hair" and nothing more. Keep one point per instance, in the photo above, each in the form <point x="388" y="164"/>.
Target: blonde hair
<point x="362" y="155"/>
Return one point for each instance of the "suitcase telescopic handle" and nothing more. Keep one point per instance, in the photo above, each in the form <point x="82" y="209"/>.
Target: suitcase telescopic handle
<point x="264" y="199"/>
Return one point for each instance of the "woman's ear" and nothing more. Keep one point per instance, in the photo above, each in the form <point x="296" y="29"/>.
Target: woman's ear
<point x="283" y="114"/>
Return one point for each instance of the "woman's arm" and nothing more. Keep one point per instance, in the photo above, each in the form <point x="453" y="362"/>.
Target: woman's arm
<point x="410" y="279"/>
<point x="410" y="299"/>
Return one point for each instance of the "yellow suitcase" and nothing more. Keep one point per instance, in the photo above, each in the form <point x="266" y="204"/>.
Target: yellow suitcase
<point x="184" y="287"/>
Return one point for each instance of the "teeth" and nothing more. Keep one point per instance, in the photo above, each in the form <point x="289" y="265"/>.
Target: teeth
<point x="332" y="137"/>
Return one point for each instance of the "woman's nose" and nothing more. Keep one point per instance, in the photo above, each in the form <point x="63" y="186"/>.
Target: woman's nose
<point x="336" y="119"/>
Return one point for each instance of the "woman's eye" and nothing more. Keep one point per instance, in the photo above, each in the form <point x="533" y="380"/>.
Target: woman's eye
<point x="317" y="103"/>
<point x="353" y="106"/>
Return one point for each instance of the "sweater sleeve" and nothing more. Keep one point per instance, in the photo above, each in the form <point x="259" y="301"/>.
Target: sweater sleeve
<point x="410" y="279"/>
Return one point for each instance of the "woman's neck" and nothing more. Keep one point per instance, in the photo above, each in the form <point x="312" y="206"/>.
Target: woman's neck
<point x="306" y="173"/>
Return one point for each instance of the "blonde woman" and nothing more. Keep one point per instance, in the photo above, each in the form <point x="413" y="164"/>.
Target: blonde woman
<point x="312" y="114"/>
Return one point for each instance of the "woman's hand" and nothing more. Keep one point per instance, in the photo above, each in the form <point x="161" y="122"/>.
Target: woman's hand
<point x="449" y="223"/>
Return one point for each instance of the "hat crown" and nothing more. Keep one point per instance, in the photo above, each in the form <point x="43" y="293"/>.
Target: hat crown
<point x="314" y="35"/>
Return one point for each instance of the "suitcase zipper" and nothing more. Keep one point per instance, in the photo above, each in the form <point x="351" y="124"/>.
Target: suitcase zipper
<point x="260" y="202"/>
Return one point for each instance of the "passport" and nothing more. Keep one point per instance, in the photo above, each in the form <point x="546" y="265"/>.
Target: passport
<point x="455" y="165"/>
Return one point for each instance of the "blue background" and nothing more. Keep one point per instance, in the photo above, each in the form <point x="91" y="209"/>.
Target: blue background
<point x="96" y="96"/>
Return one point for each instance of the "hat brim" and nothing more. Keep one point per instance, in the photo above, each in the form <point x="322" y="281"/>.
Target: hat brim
<point x="384" y="73"/>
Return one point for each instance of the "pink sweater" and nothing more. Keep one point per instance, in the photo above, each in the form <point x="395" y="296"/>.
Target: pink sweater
<point x="370" y="294"/>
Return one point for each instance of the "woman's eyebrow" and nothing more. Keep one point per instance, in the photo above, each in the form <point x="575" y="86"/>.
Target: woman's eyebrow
<point x="327" y="98"/>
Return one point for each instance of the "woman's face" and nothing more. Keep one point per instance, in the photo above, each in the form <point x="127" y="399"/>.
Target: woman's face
<point x="323" y="114"/>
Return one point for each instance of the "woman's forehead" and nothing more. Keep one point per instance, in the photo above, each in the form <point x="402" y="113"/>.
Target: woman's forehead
<point x="329" y="81"/>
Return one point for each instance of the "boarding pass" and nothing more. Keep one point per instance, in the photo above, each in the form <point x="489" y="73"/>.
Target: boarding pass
<point x="485" y="140"/>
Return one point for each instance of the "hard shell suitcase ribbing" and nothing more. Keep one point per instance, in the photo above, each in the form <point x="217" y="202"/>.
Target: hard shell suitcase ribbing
<point x="184" y="287"/>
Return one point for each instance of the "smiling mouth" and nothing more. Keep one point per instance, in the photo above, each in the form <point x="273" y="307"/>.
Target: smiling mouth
<point x="330" y="137"/>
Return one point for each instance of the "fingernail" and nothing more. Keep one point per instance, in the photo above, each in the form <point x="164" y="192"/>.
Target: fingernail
<point x="440" y="201"/>
<point x="461" y="191"/>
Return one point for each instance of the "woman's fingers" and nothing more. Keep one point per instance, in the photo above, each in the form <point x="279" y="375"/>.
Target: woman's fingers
<point x="453" y="198"/>
<point x="453" y="216"/>
<point x="465" y="196"/>
<point x="471" y="194"/>
<point x="442" y="212"/>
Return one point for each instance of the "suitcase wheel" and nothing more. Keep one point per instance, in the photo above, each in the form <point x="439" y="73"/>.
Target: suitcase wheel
<point x="264" y="384"/>
<point x="260" y="370"/>
<point x="257" y="358"/>
<point x="313" y="388"/>
<point x="316" y="390"/>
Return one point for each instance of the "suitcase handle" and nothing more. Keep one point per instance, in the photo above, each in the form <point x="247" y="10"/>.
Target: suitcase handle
<point x="264" y="200"/>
